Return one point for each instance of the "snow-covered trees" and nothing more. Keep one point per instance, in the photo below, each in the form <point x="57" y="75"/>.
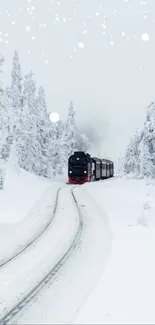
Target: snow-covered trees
<point x="132" y="155"/>
<point x="16" y="86"/>
<point x="148" y="144"/>
<point x="70" y="131"/>
<point x="4" y="120"/>
<point x="69" y="138"/>
<point x="139" y="158"/>
<point x="3" y="129"/>
<point x="29" y="138"/>
<point x="27" y="144"/>
<point x="14" y="98"/>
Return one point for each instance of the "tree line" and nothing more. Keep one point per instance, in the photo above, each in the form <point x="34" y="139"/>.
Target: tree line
<point x="28" y="139"/>
<point x="139" y="158"/>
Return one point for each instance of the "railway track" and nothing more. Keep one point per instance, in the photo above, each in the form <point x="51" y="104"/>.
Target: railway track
<point x="30" y="243"/>
<point x="12" y="313"/>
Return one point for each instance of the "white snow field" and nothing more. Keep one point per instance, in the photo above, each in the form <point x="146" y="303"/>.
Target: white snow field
<point x="23" y="212"/>
<point x="19" y="276"/>
<point x="109" y="277"/>
<point x="59" y="301"/>
<point x="125" y="293"/>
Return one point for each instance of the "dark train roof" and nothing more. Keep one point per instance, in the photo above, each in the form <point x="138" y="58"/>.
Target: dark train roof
<point x="79" y="153"/>
<point x="102" y="160"/>
<point x="98" y="160"/>
<point x="107" y="160"/>
<point x="94" y="159"/>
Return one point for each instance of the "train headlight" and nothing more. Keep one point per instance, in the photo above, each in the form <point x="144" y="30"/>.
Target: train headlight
<point x="85" y="172"/>
<point x="70" y="171"/>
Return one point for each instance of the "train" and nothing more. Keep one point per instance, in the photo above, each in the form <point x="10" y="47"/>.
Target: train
<point x="83" y="168"/>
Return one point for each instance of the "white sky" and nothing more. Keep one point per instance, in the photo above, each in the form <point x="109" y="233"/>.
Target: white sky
<point x="91" y="52"/>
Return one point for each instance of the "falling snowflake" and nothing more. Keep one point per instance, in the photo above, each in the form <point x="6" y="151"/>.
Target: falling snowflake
<point x="46" y="61"/>
<point x="81" y="45"/>
<point x="145" y="37"/>
<point x="28" y="28"/>
<point x="85" y="32"/>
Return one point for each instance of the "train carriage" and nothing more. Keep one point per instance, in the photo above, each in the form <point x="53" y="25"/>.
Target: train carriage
<point x="97" y="165"/>
<point x="103" y="169"/>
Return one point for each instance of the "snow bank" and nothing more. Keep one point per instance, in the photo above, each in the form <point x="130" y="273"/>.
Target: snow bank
<point x="26" y="206"/>
<point x="19" y="195"/>
<point x="126" y="292"/>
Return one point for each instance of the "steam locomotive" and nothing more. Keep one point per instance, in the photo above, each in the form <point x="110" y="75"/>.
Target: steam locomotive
<point x="83" y="168"/>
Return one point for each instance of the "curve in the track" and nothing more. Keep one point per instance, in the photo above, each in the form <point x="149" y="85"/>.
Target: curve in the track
<point x="32" y="294"/>
<point x="36" y="237"/>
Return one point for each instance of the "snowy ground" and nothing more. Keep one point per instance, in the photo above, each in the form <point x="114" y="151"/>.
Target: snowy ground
<point x="59" y="302"/>
<point x="125" y="293"/>
<point x="30" y="267"/>
<point x="20" y="194"/>
<point x="109" y="279"/>
<point x="23" y="212"/>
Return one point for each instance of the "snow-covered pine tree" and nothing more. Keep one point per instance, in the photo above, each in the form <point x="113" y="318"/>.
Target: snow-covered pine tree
<point x="16" y="85"/>
<point x="45" y="136"/>
<point x="28" y="146"/>
<point x="54" y="149"/>
<point x="6" y="120"/>
<point x="15" y="93"/>
<point x="131" y="163"/>
<point x="71" y="139"/>
<point x="59" y="156"/>
<point x="3" y="130"/>
<point x="3" y="115"/>
<point x="147" y="152"/>
<point x="70" y="133"/>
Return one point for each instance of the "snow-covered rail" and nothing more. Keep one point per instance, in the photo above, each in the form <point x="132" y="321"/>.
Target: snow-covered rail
<point x="32" y="241"/>
<point x="9" y="316"/>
